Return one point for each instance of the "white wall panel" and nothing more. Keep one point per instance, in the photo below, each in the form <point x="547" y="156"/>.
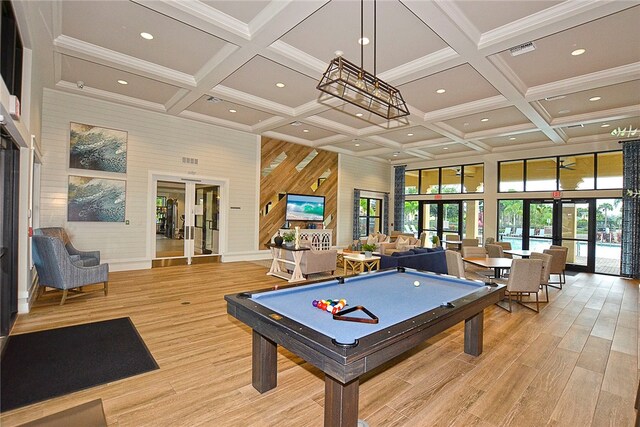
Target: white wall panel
<point x="156" y="143"/>
<point x="355" y="172"/>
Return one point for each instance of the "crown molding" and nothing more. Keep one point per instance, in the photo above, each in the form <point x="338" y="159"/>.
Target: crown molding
<point x="434" y="62"/>
<point x="552" y="20"/>
<point x="78" y="49"/>
<point x="271" y="123"/>
<point x="598" y="116"/>
<point x="331" y="125"/>
<point x="299" y="57"/>
<point x="473" y="107"/>
<point x="248" y="100"/>
<point x="460" y="20"/>
<point x="505" y="130"/>
<point x="201" y="16"/>
<point x="288" y="138"/>
<point x="611" y="76"/>
<point x="109" y="96"/>
<point x="509" y="74"/>
<point x="186" y="114"/>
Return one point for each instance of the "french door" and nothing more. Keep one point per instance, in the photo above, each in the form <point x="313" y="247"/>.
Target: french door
<point x="187" y="219"/>
<point x="439" y="218"/>
<point x="590" y="228"/>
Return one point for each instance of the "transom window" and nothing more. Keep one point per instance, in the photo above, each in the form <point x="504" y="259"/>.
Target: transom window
<point x="445" y="180"/>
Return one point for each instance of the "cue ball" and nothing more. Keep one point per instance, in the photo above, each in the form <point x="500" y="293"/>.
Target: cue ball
<point x="416" y="283"/>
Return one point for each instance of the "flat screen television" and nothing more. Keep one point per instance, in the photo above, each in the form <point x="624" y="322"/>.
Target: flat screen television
<point x="301" y="207"/>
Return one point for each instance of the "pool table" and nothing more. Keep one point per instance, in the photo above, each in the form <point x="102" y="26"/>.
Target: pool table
<point x="344" y="350"/>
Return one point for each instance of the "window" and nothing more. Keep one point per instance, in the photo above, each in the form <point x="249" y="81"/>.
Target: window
<point x="411" y="182"/>
<point x="577" y="172"/>
<point x="370" y="220"/>
<point x="10" y="51"/>
<point x="609" y="171"/>
<point x="511" y="176"/>
<point x="429" y="181"/>
<point x="569" y="173"/>
<point x="445" y="180"/>
<point x="541" y="174"/>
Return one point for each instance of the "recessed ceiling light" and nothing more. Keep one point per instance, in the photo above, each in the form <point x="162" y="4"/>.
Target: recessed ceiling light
<point x="441" y="91"/>
<point x="606" y="125"/>
<point x="578" y="52"/>
<point x="305" y="130"/>
<point x="233" y="111"/>
<point x="409" y="134"/>
<point x="363" y="41"/>
<point x="357" y="144"/>
<point x="395" y="154"/>
<point x="445" y="148"/>
<point x="146" y="36"/>
<point x="123" y="82"/>
<point x="595" y="98"/>
<point x="484" y="120"/>
<point x="280" y="84"/>
<point x="358" y="114"/>
<point x="465" y="124"/>
<point x="513" y="138"/>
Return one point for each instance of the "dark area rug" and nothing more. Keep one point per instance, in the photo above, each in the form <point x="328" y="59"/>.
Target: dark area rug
<point x="45" y="364"/>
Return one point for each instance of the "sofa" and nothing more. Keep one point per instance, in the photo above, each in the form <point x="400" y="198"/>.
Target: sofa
<point x="401" y="244"/>
<point x="427" y="259"/>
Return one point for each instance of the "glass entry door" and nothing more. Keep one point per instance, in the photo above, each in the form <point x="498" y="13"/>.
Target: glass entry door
<point x="575" y="220"/>
<point x="187" y="219"/>
<point x="540" y="230"/>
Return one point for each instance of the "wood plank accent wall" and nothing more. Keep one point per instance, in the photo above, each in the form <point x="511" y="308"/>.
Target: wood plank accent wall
<point x="286" y="179"/>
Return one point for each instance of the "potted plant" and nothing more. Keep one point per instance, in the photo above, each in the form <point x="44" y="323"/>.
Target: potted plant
<point x="288" y="238"/>
<point x="368" y="249"/>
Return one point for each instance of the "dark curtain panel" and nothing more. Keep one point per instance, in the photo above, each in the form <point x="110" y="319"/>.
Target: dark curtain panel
<point x="356" y="214"/>
<point x="630" y="262"/>
<point x="398" y="198"/>
<point x="385" y="218"/>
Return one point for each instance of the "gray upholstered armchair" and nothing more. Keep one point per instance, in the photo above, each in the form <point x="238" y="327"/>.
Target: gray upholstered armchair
<point x="56" y="269"/>
<point x="89" y="258"/>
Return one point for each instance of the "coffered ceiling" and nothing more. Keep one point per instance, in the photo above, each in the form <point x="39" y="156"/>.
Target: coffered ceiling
<point x="222" y="62"/>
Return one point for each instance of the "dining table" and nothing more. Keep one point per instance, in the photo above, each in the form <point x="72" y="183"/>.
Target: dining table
<point x="498" y="264"/>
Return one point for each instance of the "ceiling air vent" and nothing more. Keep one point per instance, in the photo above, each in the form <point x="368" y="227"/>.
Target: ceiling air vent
<point x="575" y="126"/>
<point x="554" y="98"/>
<point x="296" y="123"/>
<point x="522" y="48"/>
<point x="213" y="100"/>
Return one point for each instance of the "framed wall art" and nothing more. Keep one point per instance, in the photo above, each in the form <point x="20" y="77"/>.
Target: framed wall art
<point x="97" y="148"/>
<point x="96" y="199"/>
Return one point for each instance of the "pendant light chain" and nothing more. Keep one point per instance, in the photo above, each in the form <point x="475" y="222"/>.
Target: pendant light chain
<point x="375" y="44"/>
<point x="361" y="34"/>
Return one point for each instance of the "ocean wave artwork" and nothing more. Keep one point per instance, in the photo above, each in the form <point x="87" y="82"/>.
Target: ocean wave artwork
<point x="96" y="199"/>
<point x="97" y="148"/>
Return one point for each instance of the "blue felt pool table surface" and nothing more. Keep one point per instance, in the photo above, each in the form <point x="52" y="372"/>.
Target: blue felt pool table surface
<point x="389" y="295"/>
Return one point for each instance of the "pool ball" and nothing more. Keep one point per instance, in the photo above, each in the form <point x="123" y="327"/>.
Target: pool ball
<point x="416" y="283"/>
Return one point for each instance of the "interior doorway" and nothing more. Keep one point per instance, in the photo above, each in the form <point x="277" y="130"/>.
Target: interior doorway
<point x="9" y="196"/>
<point x="187" y="220"/>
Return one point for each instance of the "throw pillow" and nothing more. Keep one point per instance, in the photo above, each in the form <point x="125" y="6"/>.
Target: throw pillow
<point x="382" y="238"/>
<point x="372" y="240"/>
<point x="401" y="240"/>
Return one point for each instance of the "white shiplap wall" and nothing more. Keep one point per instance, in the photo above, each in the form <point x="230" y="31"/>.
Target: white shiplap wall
<point x="355" y="172"/>
<point x="156" y="143"/>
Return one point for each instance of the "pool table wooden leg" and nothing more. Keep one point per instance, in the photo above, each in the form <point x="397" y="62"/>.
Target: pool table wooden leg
<point x="340" y="403"/>
<point x="264" y="366"/>
<point x="473" y="334"/>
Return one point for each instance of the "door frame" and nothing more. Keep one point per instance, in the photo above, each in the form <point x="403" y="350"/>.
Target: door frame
<point x="154" y="177"/>
<point x="440" y="220"/>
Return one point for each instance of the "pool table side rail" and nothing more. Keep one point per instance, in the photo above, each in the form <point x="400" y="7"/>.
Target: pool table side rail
<point x="347" y="363"/>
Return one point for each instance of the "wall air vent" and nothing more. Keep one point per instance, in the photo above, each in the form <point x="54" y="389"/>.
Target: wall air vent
<point x="522" y="48"/>
<point x="575" y="126"/>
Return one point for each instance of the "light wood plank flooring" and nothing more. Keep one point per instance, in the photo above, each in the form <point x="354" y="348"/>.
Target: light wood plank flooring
<point x="574" y="364"/>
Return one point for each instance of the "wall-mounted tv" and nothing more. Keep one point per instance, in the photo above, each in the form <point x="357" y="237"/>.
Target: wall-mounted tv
<point x="301" y="207"/>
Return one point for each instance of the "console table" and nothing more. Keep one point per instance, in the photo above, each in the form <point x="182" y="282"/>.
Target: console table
<point x="277" y="267"/>
<point x="320" y="238"/>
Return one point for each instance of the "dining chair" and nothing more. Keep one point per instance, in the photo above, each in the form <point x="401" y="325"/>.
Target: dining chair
<point x="546" y="271"/>
<point x="558" y="265"/>
<point x="455" y="265"/>
<point x="506" y="246"/>
<point x="524" y="280"/>
<point x="494" y="251"/>
<point x="469" y="242"/>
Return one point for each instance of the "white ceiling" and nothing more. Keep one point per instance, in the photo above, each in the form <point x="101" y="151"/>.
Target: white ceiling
<point x="234" y="52"/>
